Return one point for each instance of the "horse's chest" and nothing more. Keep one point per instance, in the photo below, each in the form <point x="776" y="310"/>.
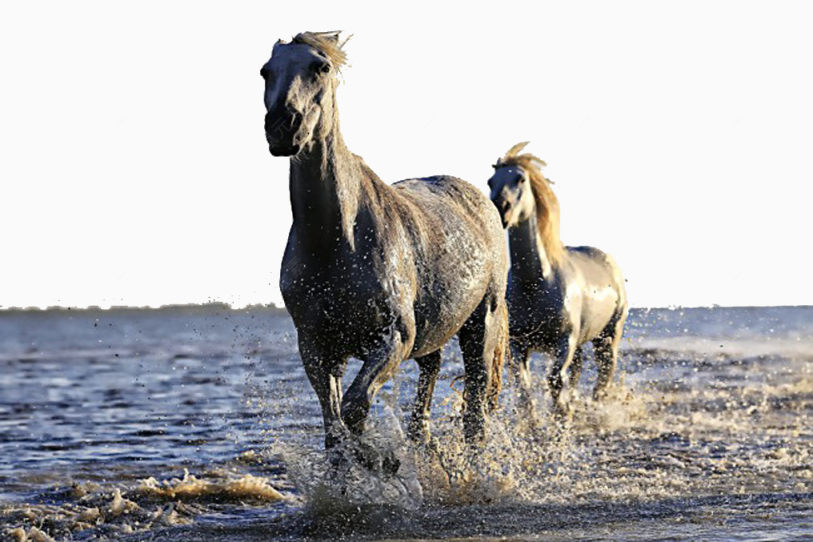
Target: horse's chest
<point x="326" y="293"/>
<point x="340" y="298"/>
<point x="537" y="313"/>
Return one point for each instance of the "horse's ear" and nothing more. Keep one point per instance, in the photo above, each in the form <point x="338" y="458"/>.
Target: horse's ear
<point x="333" y="35"/>
<point x="279" y="42"/>
<point x="513" y="151"/>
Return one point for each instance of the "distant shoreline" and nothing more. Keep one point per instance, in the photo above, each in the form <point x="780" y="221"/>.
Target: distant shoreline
<point x="191" y="308"/>
<point x="271" y="308"/>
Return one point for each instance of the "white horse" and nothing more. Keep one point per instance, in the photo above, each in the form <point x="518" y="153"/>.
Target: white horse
<point x="377" y="272"/>
<point x="558" y="297"/>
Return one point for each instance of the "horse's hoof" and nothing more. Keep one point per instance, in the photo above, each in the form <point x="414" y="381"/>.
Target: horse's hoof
<point x="562" y="412"/>
<point x="375" y="461"/>
<point x="432" y="446"/>
<point x="337" y="459"/>
<point x="390" y="464"/>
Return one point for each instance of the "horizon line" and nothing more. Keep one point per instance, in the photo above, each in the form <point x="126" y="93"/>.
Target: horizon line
<point x="222" y="305"/>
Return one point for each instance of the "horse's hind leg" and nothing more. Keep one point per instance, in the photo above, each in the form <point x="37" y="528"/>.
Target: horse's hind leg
<point x="606" y="352"/>
<point x="429" y="364"/>
<point x="479" y="339"/>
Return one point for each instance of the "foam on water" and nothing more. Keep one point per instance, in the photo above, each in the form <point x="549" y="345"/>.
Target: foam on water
<point x="145" y="505"/>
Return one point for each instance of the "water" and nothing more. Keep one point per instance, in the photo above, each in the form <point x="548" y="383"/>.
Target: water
<point x="199" y="424"/>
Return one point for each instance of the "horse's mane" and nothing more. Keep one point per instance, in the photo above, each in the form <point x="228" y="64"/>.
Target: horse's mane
<point x="327" y="43"/>
<point x="547" y="205"/>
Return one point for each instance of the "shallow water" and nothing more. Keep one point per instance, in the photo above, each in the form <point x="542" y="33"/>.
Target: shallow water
<point x="200" y="425"/>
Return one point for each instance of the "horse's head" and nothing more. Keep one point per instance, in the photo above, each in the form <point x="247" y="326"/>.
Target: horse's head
<point x="300" y="80"/>
<point x="511" y="193"/>
<point x="520" y="191"/>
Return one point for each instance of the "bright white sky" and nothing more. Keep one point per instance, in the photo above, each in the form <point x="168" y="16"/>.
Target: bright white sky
<point x="134" y="168"/>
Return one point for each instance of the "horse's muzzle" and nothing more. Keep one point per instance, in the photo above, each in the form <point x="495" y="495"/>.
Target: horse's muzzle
<point x="279" y="150"/>
<point x="504" y="209"/>
<point x="282" y="132"/>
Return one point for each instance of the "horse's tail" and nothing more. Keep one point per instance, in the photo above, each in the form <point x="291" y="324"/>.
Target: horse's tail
<point x="501" y="353"/>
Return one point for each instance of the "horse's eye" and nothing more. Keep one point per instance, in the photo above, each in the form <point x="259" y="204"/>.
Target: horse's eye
<point x="520" y="178"/>
<point x="320" y="66"/>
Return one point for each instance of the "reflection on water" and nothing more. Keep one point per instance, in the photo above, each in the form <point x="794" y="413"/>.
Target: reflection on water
<point x="200" y="425"/>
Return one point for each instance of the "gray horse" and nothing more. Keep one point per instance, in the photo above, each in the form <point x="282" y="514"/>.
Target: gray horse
<point x="558" y="297"/>
<point x="376" y="272"/>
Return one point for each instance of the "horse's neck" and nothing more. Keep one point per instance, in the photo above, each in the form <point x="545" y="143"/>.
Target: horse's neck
<point x="325" y="184"/>
<point x="529" y="260"/>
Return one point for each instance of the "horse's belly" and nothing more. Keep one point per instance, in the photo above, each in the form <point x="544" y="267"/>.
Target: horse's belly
<point x="434" y="327"/>
<point x="451" y="282"/>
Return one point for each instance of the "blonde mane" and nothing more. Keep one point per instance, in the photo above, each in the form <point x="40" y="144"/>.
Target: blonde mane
<point x="547" y="205"/>
<point x="327" y="43"/>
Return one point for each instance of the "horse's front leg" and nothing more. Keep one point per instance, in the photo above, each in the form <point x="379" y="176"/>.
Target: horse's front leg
<point x="562" y="358"/>
<point x="378" y="367"/>
<point x="521" y="374"/>
<point x="325" y="375"/>
<point x="521" y="370"/>
<point x="576" y="367"/>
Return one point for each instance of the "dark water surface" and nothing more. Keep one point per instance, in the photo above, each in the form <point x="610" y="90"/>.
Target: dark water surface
<point x="200" y="425"/>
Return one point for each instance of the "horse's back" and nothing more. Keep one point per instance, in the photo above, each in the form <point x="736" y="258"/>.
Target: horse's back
<point x="603" y="289"/>
<point x="459" y="249"/>
<point x="451" y="210"/>
<point x="596" y="264"/>
<point x="445" y="194"/>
